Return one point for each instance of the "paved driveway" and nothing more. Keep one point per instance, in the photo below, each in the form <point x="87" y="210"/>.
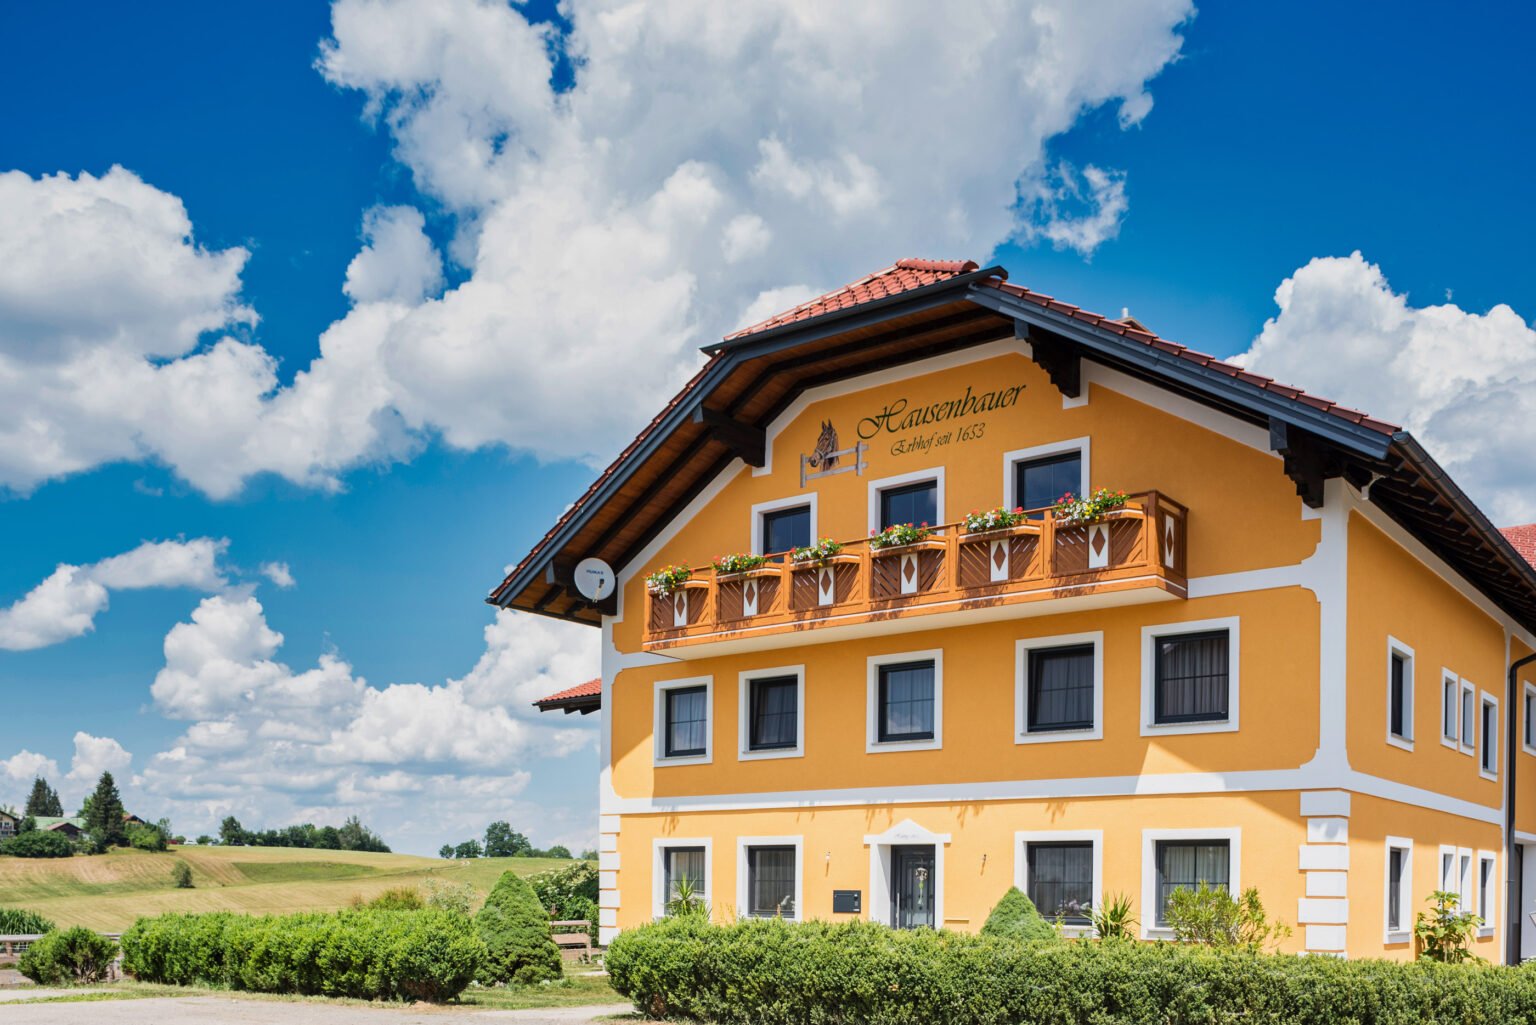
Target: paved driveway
<point x="219" y="1010"/>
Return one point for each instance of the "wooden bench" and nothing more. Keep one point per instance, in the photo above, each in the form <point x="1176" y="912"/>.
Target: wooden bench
<point x="573" y="937"/>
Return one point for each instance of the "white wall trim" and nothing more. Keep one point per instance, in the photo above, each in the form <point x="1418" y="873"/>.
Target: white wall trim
<point x="1149" y="636"/>
<point x="1149" y="840"/>
<point x="880" y="844"/>
<point x="659" y="870"/>
<point x="742" y="843"/>
<point x="872" y="742"/>
<point x="1404" y="932"/>
<point x="744" y="750"/>
<point x="1055" y="448"/>
<point x="1403" y="651"/>
<point x="775" y="505"/>
<point x="1022" y="648"/>
<point x="659" y="756"/>
<point x="1023" y="838"/>
<point x="934" y="473"/>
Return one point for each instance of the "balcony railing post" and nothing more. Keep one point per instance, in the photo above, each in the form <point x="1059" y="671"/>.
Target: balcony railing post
<point x="1048" y="546"/>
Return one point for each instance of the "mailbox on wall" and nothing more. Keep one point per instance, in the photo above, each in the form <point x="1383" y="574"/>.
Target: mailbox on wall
<point x="847" y="902"/>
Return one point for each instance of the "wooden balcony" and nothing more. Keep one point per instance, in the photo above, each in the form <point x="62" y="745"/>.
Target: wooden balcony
<point x="1139" y="548"/>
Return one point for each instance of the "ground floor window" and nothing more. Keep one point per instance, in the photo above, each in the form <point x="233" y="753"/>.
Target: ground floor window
<point x="1061" y="879"/>
<point x="771" y="881"/>
<point x="1185" y="864"/>
<point x="1399" y="884"/>
<point x="685" y="871"/>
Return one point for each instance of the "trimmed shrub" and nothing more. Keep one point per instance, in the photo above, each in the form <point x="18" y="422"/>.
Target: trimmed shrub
<point x="39" y="843"/>
<point x="771" y="972"/>
<point x="21" y="922"/>
<point x="515" y="930"/>
<point x="396" y="898"/>
<point x="146" y="838"/>
<point x="1017" y="918"/>
<point x="365" y="954"/>
<point x="72" y="957"/>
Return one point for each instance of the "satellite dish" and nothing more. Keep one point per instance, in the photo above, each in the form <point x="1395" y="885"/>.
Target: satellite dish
<point x="594" y="579"/>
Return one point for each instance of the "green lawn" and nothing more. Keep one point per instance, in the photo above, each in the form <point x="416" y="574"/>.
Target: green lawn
<point x="108" y="892"/>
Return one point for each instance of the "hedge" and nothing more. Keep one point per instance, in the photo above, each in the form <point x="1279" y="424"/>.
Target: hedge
<point x="767" y="972"/>
<point x="74" y="956"/>
<point x="367" y="954"/>
<point x="39" y="843"/>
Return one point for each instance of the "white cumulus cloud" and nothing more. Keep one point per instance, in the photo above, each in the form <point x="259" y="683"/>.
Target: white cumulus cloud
<point x="1463" y="382"/>
<point x="24" y="766"/>
<point x="94" y="756"/>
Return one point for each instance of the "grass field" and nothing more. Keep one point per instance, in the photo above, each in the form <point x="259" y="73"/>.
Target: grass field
<point x="110" y="891"/>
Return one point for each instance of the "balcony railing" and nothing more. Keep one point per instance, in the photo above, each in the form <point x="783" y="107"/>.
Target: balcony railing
<point x="1141" y="545"/>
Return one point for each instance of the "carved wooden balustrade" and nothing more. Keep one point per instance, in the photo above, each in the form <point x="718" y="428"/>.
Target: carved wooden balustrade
<point x="1141" y="545"/>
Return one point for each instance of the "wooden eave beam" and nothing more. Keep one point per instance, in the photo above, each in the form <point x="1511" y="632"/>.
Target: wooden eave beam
<point x="749" y="443"/>
<point x="1061" y="360"/>
<point x="1309" y="461"/>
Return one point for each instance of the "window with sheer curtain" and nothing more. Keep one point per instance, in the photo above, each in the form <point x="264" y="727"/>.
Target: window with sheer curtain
<point x="774" y="722"/>
<point x="1185" y="864"/>
<point x="906" y="702"/>
<point x="1061" y="879"/>
<point x="1061" y="688"/>
<point x="680" y="863"/>
<point x="1193" y="677"/>
<point x="771" y="882"/>
<point x="687" y="721"/>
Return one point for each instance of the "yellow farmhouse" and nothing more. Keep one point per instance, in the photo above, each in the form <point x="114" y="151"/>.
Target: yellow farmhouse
<point x="1287" y="658"/>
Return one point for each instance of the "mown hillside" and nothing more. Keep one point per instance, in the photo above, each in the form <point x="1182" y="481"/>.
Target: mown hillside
<point x="109" y="891"/>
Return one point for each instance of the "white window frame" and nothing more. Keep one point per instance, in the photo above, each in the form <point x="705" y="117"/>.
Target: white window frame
<point x="1450" y="726"/>
<point x="1022" y="648"/>
<point x="1402" y="651"/>
<point x="1149" y="635"/>
<point x="777" y="505"/>
<point x="1024" y="455"/>
<point x="1459" y="880"/>
<point x="1468" y="690"/>
<point x="935" y="474"/>
<point x="1021" y="842"/>
<point x="744" y="750"/>
<point x="742" y="843"/>
<point x="1404" y="932"/>
<point x="1484" y="896"/>
<point x="1149" y="840"/>
<point x="1527" y="726"/>
<point x="659" y="729"/>
<point x="872" y="742"/>
<point x="1488" y="748"/>
<point x="659" y="870"/>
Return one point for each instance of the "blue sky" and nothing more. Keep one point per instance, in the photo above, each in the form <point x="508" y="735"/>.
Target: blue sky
<point x="683" y="182"/>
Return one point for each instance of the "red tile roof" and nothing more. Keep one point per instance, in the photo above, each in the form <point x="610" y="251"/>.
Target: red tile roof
<point x="1523" y="540"/>
<point x="1133" y="330"/>
<point x="590" y="689"/>
<point x="902" y="276"/>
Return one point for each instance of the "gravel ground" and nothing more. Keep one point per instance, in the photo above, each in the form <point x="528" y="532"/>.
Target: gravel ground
<point x="218" y="1010"/>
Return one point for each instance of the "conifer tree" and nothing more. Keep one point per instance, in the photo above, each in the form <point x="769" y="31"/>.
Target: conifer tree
<point x="104" y="814"/>
<point x="44" y="800"/>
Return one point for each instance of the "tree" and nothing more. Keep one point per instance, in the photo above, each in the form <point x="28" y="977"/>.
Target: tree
<point x="515" y="930"/>
<point x="231" y="832"/>
<point x="557" y="851"/>
<point x="104" y="815"/>
<point x="501" y="841"/>
<point x="445" y="851"/>
<point x="204" y="840"/>
<point x="1015" y="917"/>
<point x="44" y="800"/>
<point x="467" y="849"/>
<point x="181" y="876"/>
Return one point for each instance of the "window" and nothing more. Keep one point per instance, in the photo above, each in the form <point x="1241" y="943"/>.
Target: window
<point x="1399" y="694"/>
<point x="1448" y="869"/>
<point x="786" y="529"/>
<point x="1399" y="885"/>
<point x="1487" y="891"/>
<point x="910" y="503"/>
<point x="1464" y="878"/>
<point x="1188" y="863"/>
<point x="1448" y="729"/>
<point x="1468" y="716"/>
<point x="771" y="706"/>
<point x="1488" y="721"/>
<point x="1039" y="483"/>
<point x="683" y="721"/>
<point x="1061" y="688"/>
<point x="906" y="702"/>
<point x="771" y="881"/>
<point x="682" y="865"/>
<point x="1192" y="677"/>
<point x="1060" y="879"/>
<point x="906" y="707"/>
<point x="1529" y="723"/>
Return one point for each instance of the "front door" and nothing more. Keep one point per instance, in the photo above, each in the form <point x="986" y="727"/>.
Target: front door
<point x="914" y="884"/>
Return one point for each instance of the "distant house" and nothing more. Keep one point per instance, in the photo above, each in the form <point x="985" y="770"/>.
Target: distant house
<point x="9" y="824"/>
<point x="74" y="828"/>
<point x="133" y="820"/>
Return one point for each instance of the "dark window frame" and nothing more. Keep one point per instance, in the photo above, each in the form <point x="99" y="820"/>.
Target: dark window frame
<point x="882" y="735"/>
<point x="1032" y="848"/>
<point x="767" y="517"/>
<point x="1021" y="468"/>
<point x="930" y="484"/>
<point x="1034" y="658"/>
<point x="1399" y="696"/>
<point x="667" y="721"/>
<point x="791" y="682"/>
<point x="752" y="853"/>
<point x="1158" y="679"/>
<point x="667" y="878"/>
<point x="1488" y="735"/>
<point x="1165" y="889"/>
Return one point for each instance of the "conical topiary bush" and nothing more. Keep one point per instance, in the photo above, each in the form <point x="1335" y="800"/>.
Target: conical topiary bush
<point x="515" y="931"/>
<point x="1017" y="918"/>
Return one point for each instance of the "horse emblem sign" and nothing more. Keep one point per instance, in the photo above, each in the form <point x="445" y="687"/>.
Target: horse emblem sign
<point x="826" y="458"/>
